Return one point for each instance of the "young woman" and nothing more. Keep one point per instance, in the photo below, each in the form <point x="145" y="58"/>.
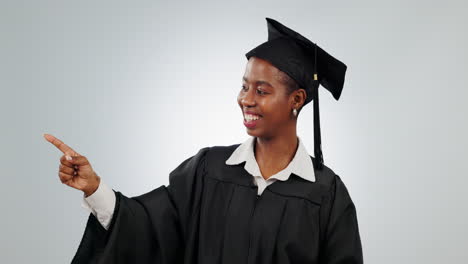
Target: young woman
<point x="263" y="201"/>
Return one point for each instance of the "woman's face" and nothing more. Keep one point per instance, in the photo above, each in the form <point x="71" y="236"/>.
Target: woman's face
<point x="263" y="99"/>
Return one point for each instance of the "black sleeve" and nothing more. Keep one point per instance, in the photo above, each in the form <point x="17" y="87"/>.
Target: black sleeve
<point x="343" y="242"/>
<point x="150" y="228"/>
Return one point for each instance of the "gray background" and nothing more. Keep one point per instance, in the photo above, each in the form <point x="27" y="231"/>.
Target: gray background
<point x="139" y="86"/>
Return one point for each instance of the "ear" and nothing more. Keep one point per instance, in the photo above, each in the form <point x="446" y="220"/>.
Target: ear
<point x="298" y="98"/>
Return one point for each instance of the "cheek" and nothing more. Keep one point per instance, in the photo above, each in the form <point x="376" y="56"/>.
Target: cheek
<point x="277" y="109"/>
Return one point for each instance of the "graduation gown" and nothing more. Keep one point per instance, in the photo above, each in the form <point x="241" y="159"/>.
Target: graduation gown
<point x="210" y="213"/>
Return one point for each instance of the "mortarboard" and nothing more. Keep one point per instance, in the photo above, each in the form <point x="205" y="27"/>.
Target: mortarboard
<point x="306" y="63"/>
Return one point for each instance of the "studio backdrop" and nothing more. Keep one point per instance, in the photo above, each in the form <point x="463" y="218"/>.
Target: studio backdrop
<point x="139" y="86"/>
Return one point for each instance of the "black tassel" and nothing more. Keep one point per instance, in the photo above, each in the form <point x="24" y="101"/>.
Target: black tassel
<point x="317" y="137"/>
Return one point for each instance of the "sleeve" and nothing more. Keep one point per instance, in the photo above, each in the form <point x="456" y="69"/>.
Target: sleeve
<point x="342" y="241"/>
<point x="150" y="228"/>
<point x="101" y="204"/>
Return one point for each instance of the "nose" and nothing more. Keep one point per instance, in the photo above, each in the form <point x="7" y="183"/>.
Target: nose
<point x="248" y="98"/>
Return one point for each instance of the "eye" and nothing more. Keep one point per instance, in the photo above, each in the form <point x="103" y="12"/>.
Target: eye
<point x="261" y="92"/>
<point x="243" y="88"/>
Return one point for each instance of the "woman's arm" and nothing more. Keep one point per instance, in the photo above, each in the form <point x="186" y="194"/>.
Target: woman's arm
<point x="342" y="242"/>
<point x="101" y="204"/>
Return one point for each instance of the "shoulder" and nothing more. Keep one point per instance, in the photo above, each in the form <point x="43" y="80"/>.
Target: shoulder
<point x="217" y="151"/>
<point x="219" y="154"/>
<point x="330" y="180"/>
<point x="333" y="183"/>
<point x="209" y="154"/>
<point x="215" y="167"/>
<point x="324" y="176"/>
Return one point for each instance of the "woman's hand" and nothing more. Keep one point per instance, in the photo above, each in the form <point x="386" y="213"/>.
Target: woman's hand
<point x="75" y="169"/>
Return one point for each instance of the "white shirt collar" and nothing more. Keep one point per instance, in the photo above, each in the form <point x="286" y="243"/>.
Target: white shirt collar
<point x="301" y="164"/>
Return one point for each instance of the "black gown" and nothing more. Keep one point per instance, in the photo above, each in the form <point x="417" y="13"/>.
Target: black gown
<point x="210" y="213"/>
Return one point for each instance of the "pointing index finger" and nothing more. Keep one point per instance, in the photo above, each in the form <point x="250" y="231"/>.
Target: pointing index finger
<point x="60" y="145"/>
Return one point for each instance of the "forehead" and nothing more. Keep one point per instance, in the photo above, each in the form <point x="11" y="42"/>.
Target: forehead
<point x="260" y="69"/>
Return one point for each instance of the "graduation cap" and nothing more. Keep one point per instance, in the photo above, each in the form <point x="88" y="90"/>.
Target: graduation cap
<point x="306" y="63"/>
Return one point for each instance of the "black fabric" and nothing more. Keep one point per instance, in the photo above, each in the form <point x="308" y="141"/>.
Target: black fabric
<point x="210" y="213"/>
<point x="301" y="59"/>
<point x="317" y="133"/>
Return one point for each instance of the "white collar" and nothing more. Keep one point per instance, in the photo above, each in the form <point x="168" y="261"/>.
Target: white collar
<point x="301" y="164"/>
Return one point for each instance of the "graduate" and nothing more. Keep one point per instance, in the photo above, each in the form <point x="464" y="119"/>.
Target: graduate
<point x="263" y="201"/>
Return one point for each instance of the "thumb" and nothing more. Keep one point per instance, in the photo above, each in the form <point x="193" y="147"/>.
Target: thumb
<point x="70" y="155"/>
<point x="78" y="160"/>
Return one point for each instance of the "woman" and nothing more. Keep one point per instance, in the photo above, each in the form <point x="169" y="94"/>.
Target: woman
<point x="263" y="201"/>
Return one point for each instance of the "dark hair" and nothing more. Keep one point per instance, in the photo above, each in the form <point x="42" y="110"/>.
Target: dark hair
<point x="290" y="83"/>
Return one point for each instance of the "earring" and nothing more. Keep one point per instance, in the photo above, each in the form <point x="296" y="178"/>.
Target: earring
<point x="295" y="112"/>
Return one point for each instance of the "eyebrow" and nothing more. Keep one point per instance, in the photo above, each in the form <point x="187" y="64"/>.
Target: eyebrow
<point x="259" y="82"/>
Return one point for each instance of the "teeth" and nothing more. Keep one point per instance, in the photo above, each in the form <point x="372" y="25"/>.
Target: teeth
<point x="249" y="117"/>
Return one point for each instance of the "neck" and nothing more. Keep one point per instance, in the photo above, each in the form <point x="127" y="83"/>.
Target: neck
<point x="275" y="153"/>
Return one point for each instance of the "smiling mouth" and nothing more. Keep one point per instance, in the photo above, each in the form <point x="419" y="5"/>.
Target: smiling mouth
<point x="250" y="117"/>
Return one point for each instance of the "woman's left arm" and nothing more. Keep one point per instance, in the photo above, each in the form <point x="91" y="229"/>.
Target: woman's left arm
<point x="342" y="242"/>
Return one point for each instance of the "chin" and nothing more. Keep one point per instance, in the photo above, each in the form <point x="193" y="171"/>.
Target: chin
<point x="252" y="133"/>
<point x="256" y="133"/>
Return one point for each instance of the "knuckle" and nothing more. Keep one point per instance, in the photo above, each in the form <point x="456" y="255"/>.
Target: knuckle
<point x="64" y="166"/>
<point x="61" y="177"/>
<point x="64" y="177"/>
<point x="65" y="163"/>
<point x="82" y="160"/>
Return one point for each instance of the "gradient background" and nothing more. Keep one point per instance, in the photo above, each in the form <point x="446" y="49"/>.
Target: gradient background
<point x="139" y="86"/>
